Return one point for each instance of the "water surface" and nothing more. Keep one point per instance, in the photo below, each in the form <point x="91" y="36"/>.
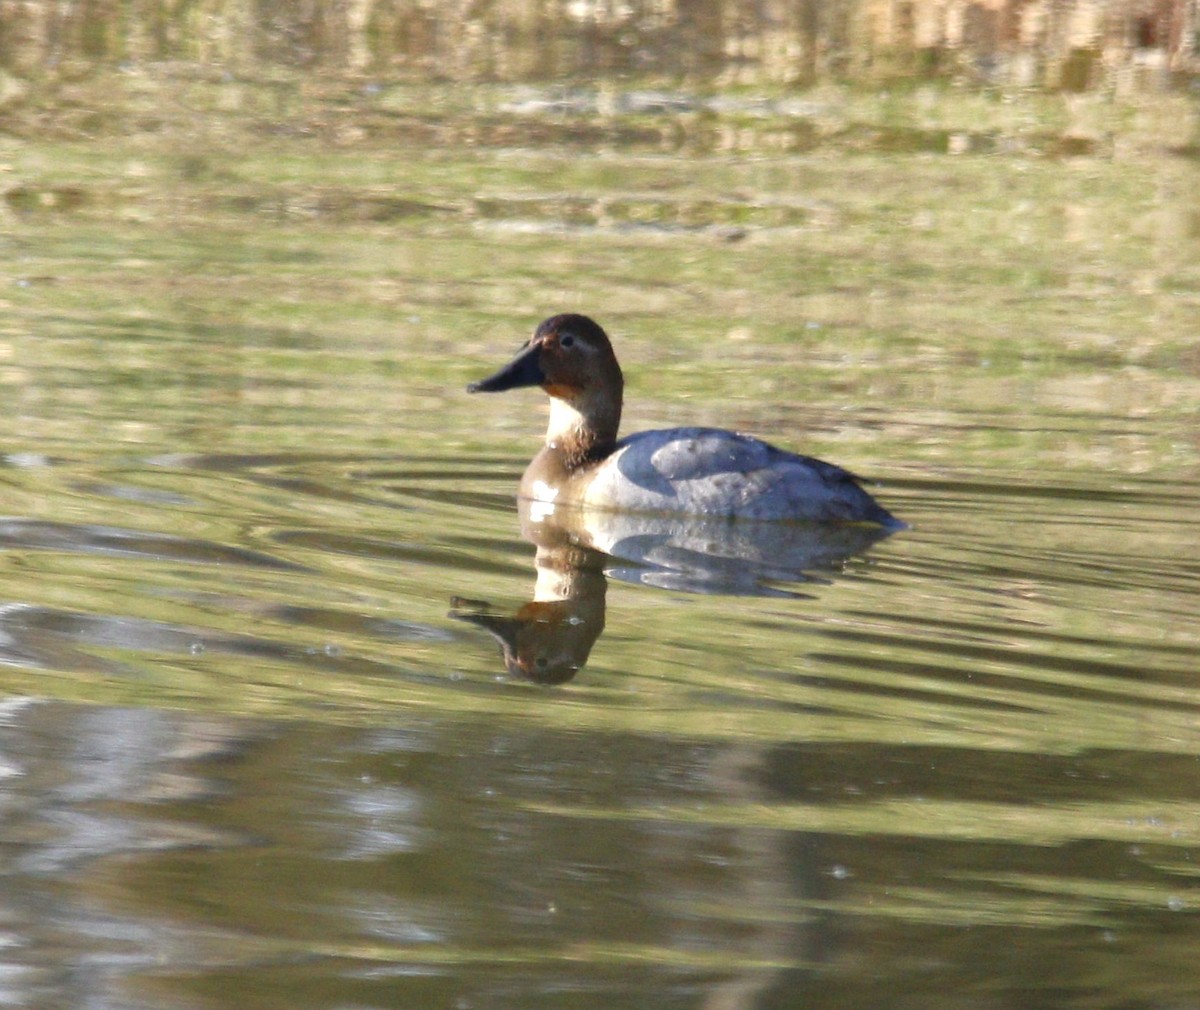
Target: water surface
<point x="257" y="745"/>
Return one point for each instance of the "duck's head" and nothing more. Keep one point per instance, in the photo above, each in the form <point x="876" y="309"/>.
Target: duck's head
<point x="571" y="358"/>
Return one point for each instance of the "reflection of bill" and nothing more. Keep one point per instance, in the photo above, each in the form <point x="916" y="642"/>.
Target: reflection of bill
<point x="549" y="639"/>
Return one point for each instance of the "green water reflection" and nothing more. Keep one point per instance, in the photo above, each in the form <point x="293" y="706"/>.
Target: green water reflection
<point x="247" y="754"/>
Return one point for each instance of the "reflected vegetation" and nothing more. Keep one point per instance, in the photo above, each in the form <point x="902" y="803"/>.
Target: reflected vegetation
<point x="1070" y="45"/>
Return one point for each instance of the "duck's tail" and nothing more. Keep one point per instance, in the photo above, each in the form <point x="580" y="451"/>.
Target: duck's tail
<point x="878" y="514"/>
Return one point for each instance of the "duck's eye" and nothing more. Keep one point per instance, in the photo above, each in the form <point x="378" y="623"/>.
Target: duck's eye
<point x="566" y="340"/>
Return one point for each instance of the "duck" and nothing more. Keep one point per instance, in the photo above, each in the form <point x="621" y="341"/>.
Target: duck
<point x="694" y="471"/>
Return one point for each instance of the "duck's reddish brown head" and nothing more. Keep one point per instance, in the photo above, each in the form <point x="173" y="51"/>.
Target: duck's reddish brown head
<point x="566" y="355"/>
<point x="571" y="358"/>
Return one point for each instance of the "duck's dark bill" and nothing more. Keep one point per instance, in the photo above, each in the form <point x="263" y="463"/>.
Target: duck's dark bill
<point x="523" y="370"/>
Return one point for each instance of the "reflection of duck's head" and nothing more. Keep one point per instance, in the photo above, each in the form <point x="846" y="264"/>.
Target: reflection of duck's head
<point x="681" y="471"/>
<point x="544" y="642"/>
<point x="550" y="638"/>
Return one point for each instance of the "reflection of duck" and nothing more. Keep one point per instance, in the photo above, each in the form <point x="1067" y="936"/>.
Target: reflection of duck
<point x="700" y="555"/>
<point x="549" y="639"/>
<point x="689" y="471"/>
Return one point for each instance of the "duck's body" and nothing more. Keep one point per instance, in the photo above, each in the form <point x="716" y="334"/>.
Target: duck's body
<point x="691" y="471"/>
<point x="704" y="471"/>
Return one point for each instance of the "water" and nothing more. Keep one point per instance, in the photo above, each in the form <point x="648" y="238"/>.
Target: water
<point x="249" y="752"/>
<point x="259" y="744"/>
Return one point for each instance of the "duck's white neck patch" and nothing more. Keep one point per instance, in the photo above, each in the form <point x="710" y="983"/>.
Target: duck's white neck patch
<point x="566" y="423"/>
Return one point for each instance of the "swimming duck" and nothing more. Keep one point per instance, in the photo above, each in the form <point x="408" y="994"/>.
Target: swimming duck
<point x="690" y="471"/>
